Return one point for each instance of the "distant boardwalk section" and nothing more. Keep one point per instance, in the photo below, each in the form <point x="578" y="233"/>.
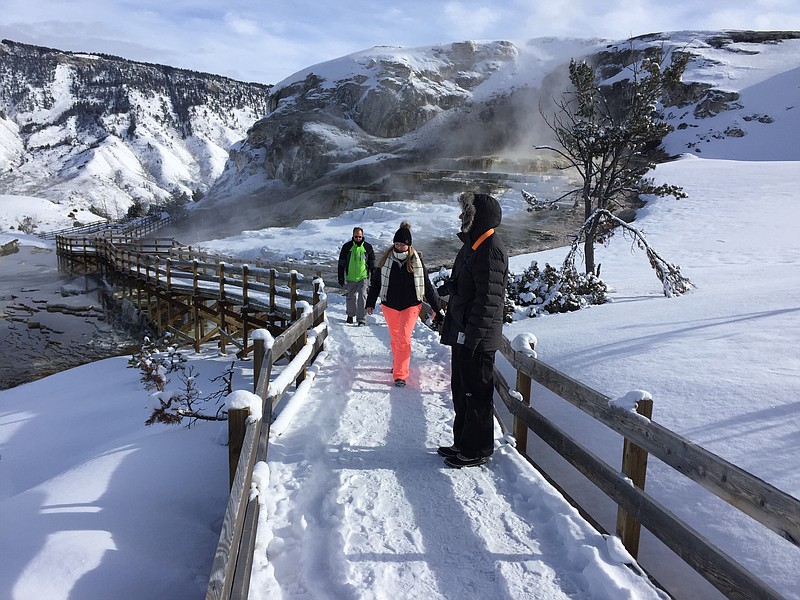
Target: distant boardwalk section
<point x="196" y="296"/>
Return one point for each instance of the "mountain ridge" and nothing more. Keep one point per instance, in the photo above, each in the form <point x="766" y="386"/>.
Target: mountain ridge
<point x="102" y="131"/>
<point x="321" y="134"/>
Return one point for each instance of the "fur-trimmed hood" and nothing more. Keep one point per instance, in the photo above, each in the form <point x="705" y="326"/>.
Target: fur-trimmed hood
<point x="477" y="283"/>
<point x="479" y="212"/>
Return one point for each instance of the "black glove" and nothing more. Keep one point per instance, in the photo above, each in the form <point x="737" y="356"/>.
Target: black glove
<point x="438" y="319"/>
<point x="341" y="283"/>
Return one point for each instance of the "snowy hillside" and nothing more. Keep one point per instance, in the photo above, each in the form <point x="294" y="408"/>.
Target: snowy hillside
<point x="751" y="110"/>
<point x="103" y="132"/>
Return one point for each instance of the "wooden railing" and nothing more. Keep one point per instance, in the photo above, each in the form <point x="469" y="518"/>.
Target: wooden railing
<point x="85" y="228"/>
<point x="142" y="226"/>
<point x="163" y="264"/>
<point x="257" y="286"/>
<point x="248" y="444"/>
<point x="189" y="276"/>
<point x="773" y="508"/>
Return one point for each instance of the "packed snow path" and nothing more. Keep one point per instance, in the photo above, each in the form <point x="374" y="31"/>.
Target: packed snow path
<point x="359" y="505"/>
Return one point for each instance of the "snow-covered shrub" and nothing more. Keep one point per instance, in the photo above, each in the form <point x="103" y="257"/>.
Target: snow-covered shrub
<point x="156" y="359"/>
<point x="554" y="290"/>
<point x="439" y="278"/>
<point x="170" y="407"/>
<point x="27" y="224"/>
<point x="442" y="276"/>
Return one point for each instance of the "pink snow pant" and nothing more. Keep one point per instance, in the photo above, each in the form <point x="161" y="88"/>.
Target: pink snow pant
<point x="401" y="324"/>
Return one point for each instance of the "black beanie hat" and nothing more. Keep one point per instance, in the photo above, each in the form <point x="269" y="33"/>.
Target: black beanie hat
<point x="403" y="235"/>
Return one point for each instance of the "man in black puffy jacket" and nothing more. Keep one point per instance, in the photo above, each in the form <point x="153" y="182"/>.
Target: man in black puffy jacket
<point x="473" y="326"/>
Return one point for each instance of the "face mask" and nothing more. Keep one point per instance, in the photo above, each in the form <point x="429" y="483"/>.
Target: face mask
<point x="400" y="255"/>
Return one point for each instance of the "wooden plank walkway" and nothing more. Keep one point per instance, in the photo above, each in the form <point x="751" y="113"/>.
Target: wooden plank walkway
<point x="193" y="295"/>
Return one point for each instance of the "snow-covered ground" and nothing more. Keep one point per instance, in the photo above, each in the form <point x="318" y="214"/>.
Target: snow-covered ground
<point x="24" y="213"/>
<point x="110" y="508"/>
<point x="93" y="503"/>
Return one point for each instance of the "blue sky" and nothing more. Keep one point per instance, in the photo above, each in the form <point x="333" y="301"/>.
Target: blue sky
<point x="268" y="40"/>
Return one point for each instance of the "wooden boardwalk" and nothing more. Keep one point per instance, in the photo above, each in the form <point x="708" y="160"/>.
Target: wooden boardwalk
<point x="196" y="296"/>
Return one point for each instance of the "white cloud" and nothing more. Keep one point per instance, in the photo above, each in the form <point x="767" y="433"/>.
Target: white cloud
<point x="473" y="21"/>
<point x="268" y="41"/>
<point x="241" y="25"/>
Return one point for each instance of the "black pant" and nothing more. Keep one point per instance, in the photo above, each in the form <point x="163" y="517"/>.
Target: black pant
<point x="472" y="384"/>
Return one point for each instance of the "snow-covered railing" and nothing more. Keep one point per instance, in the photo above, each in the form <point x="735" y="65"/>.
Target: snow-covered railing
<point x="133" y="228"/>
<point x="178" y="276"/>
<point x="249" y="421"/>
<point x="82" y="229"/>
<point x="631" y="417"/>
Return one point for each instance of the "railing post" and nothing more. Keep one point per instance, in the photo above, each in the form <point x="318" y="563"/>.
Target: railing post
<point x="293" y="294"/>
<point x="258" y="358"/>
<point x="523" y="385"/>
<point x="195" y="300"/>
<point x="245" y="324"/>
<point x="245" y="273"/>
<point x="98" y="242"/>
<point x="317" y="285"/>
<point x="237" y="426"/>
<point x="634" y="466"/>
<point x="301" y="342"/>
<point x="221" y="271"/>
<point x="222" y="323"/>
<point x="520" y="428"/>
<point x="272" y="273"/>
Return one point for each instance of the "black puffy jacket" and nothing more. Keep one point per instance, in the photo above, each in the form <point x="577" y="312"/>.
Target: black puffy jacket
<point x="477" y="284"/>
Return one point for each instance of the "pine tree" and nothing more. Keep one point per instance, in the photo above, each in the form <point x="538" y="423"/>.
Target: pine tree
<point x="607" y="134"/>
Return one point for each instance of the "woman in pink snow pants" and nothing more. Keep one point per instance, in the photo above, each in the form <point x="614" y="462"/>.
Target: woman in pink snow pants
<point x="401" y="282"/>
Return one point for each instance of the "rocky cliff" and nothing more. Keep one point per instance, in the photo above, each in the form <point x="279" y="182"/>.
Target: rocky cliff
<point x="336" y="131"/>
<point x="349" y="123"/>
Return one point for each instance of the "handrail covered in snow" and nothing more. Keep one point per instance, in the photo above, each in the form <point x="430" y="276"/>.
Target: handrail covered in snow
<point x="248" y="439"/>
<point x="139" y="226"/>
<point x="773" y="508"/>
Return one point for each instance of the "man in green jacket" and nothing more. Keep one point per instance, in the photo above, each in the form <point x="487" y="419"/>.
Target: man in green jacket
<point x="356" y="261"/>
